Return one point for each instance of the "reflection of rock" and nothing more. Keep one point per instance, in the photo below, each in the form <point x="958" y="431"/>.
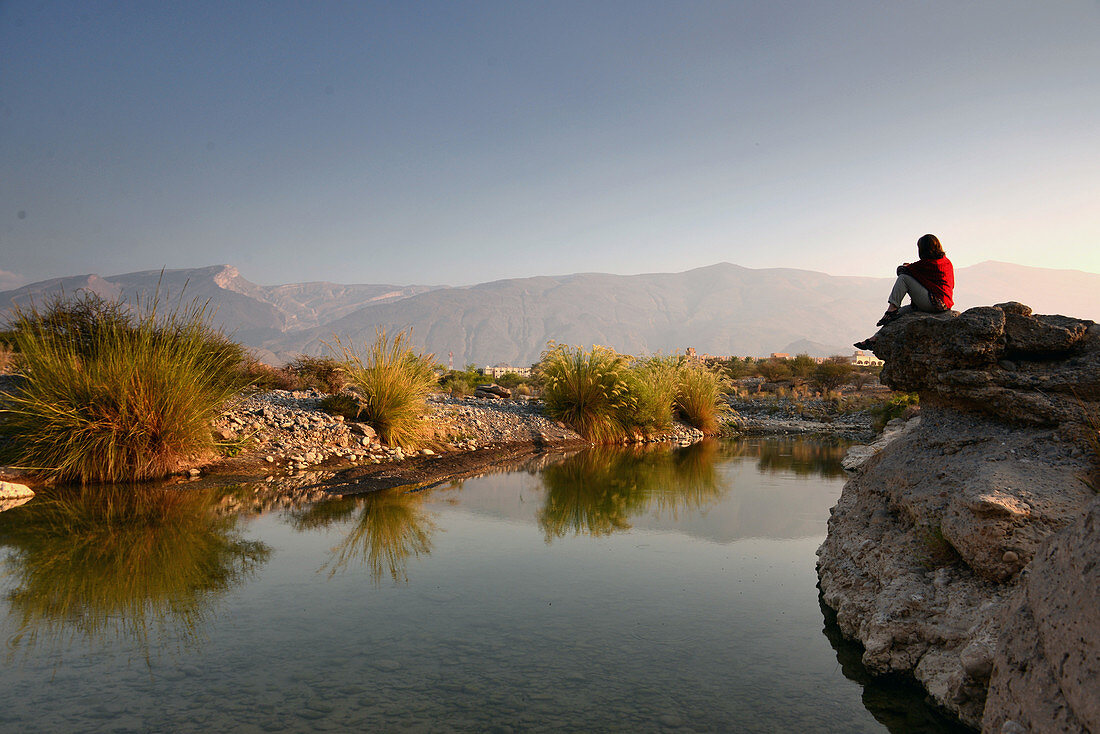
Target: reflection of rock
<point x="927" y="542"/>
<point x="13" y="503"/>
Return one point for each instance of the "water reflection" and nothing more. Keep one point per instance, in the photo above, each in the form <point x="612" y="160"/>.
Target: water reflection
<point x="899" y="704"/>
<point x="119" y="563"/>
<point x="392" y="526"/>
<point x="598" y="491"/>
<point x="805" y="457"/>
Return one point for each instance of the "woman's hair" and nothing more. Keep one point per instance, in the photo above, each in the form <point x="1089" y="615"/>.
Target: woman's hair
<point x="929" y="247"/>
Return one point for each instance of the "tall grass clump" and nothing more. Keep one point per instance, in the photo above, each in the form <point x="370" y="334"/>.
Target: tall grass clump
<point x="656" y="384"/>
<point x="589" y="391"/>
<point x="117" y="393"/>
<point x="700" y="396"/>
<point x="393" y="384"/>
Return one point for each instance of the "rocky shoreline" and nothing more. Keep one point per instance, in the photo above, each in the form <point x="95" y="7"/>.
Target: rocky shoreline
<point x="285" y="439"/>
<point x="964" y="551"/>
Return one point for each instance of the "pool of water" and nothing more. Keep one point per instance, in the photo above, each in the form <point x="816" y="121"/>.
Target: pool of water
<point x="609" y="590"/>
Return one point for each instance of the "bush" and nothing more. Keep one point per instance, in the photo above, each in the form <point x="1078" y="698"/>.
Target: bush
<point x="392" y="383"/>
<point x="802" y="367"/>
<point x="458" y="382"/>
<point x="588" y="391"/>
<point x="342" y="404"/>
<point x="894" y="407"/>
<point x="266" y="377"/>
<point x="113" y="394"/>
<point x="321" y="373"/>
<point x="509" y="380"/>
<point x="831" y="374"/>
<point x="774" y="369"/>
<point x="699" y="398"/>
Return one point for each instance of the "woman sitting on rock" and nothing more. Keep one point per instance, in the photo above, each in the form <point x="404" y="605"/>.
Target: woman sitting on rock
<point x="929" y="282"/>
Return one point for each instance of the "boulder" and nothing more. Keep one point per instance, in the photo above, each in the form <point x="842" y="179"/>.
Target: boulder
<point x="493" y="390"/>
<point x="1046" y="670"/>
<point x="964" y="550"/>
<point x="1001" y="360"/>
<point x="13" y="491"/>
<point x="13" y="495"/>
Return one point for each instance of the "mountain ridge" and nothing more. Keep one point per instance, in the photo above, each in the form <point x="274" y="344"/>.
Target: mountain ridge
<point x="722" y="308"/>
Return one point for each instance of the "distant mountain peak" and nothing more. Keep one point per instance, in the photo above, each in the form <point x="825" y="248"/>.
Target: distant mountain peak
<point x="720" y="309"/>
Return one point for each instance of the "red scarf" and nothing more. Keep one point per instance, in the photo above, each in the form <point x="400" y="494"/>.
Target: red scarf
<point x="938" y="276"/>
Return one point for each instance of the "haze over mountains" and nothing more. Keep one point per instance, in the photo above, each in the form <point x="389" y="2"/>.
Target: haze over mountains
<point x="720" y="309"/>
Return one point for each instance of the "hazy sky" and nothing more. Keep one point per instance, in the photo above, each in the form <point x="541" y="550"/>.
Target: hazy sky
<point x="459" y="142"/>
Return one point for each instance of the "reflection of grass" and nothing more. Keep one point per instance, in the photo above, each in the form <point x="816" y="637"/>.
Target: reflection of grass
<point x="392" y="526"/>
<point x="803" y="456"/>
<point x="123" y="562"/>
<point x="597" y="491"/>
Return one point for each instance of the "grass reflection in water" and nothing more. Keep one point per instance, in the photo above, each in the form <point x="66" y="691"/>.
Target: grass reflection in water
<point x="392" y="527"/>
<point x="114" y="563"/>
<point x="805" y="457"/>
<point x="597" y="491"/>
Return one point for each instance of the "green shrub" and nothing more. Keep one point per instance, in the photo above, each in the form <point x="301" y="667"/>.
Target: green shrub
<point x="458" y="382"/>
<point x="509" y="380"/>
<point x="321" y="373"/>
<point x="266" y="377"/>
<point x="588" y="391"/>
<point x="118" y="394"/>
<point x="831" y="374"/>
<point x="342" y="404"/>
<point x="392" y="383"/>
<point x="774" y="369"/>
<point x="700" y="396"/>
<point x="891" y="408"/>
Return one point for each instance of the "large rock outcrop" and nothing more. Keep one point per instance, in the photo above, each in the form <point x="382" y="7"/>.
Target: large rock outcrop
<point x="966" y="551"/>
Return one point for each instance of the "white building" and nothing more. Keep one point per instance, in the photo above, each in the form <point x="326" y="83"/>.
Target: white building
<point x="862" y="359"/>
<point x="496" y="371"/>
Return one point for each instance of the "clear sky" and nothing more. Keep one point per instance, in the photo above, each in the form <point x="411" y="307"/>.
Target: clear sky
<point x="459" y="142"/>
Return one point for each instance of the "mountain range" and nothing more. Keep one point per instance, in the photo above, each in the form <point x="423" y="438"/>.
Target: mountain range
<point x="721" y="309"/>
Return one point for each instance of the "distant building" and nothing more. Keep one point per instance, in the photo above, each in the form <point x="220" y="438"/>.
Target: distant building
<point x="498" y="370"/>
<point x="780" y="355"/>
<point x="862" y="359"/>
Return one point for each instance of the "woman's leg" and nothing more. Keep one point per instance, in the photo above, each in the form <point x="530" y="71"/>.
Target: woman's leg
<point x="918" y="294"/>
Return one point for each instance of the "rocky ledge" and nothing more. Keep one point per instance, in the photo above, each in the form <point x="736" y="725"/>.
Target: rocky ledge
<point x="966" y="552"/>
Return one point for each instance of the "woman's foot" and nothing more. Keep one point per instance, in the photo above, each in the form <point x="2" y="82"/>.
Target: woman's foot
<point x="890" y="315"/>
